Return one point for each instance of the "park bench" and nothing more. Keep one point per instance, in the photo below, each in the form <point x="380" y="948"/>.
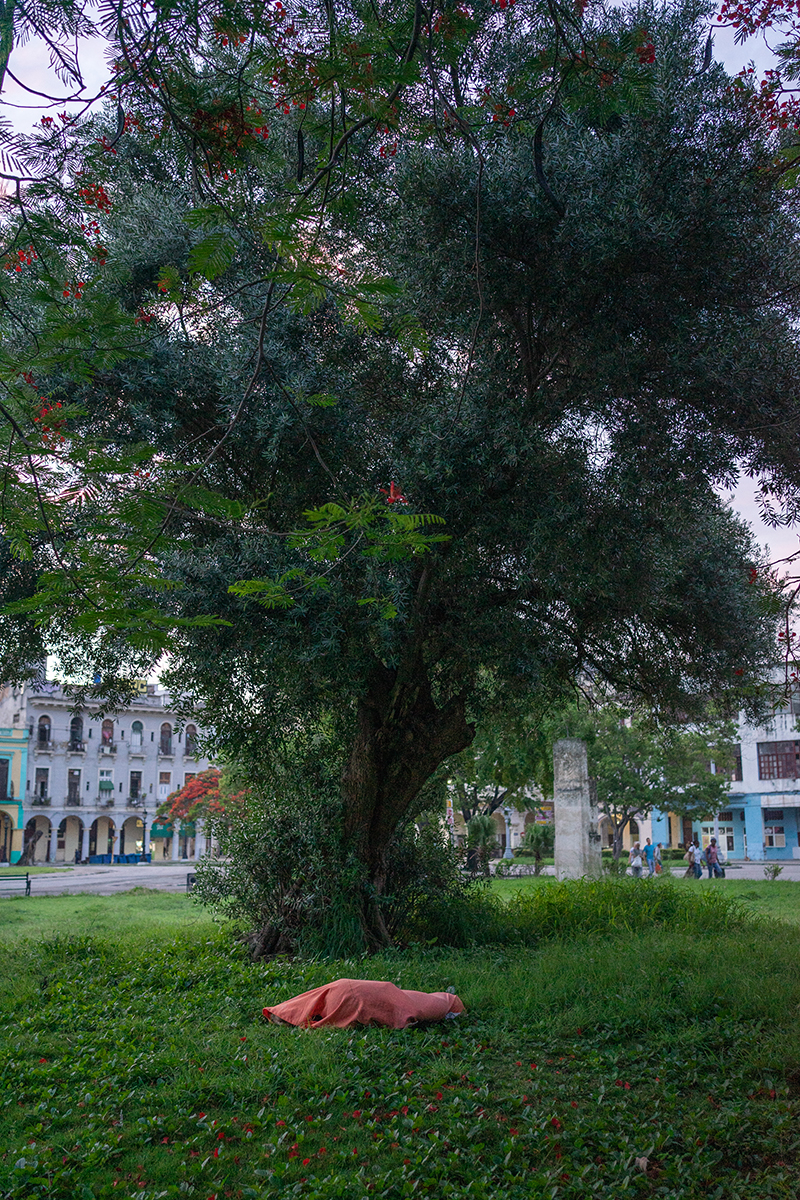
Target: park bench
<point x="16" y="883"/>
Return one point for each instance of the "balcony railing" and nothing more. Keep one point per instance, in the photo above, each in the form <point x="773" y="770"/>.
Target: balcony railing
<point x="108" y="747"/>
<point x="135" y="801"/>
<point x="41" y="801"/>
<point x="105" y="800"/>
<point x="73" y="801"/>
<point x="76" y="747"/>
<point x="46" y="746"/>
<point x="165" y="749"/>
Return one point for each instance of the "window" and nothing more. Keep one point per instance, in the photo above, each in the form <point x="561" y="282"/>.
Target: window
<point x="164" y="780"/>
<point x="42" y="782"/>
<point x="136" y="735"/>
<point x="779" y="760"/>
<point x="191" y="739"/>
<point x="726" y="816"/>
<point x="76" y="733"/>
<point x="725" y="839"/>
<point x="73" y="787"/>
<point x="165" y="744"/>
<point x="774" y="837"/>
<point x="737" y="764"/>
<point x="106" y="785"/>
<point x="107" y="733"/>
<point x="136" y="785"/>
<point x="188" y="776"/>
<point x="773" y="814"/>
<point x="43" y="736"/>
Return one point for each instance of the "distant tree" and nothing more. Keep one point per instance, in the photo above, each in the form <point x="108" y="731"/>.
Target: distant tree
<point x="539" y="840"/>
<point x="638" y="764"/>
<point x="481" y="840"/>
<point x="503" y="761"/>
<point x="202" y="797"/>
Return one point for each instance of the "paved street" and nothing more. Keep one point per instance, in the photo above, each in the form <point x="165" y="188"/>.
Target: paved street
<point x="171" y="877"/>
<point x="166" y="877"/>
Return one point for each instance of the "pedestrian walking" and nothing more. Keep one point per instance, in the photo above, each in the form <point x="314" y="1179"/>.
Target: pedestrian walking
<point x="712" y="860"/>
<point x="689" y="859"/>
<point x="659" y="867"/>
<point x="698" y="856"/>
<point x="650" y="856"/>
<point x="636" y="860"/>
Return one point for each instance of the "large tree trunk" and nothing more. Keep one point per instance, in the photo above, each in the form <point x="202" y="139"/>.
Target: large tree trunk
<point x="401" y="738"/>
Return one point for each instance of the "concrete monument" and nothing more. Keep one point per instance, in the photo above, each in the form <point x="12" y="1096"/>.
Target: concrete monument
<point x="577" y="837"/>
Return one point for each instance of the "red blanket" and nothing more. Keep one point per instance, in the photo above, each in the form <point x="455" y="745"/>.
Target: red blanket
<point x="364" y="1002"/>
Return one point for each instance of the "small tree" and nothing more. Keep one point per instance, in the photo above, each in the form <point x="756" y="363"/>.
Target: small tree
<point x="540" y="841"/>
<point x="639" y="765"/>
<point x="481" y="837"/>
<point x="204" y="796"/>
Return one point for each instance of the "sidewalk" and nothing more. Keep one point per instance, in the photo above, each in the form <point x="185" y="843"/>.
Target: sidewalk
<point x="105" y="880"/>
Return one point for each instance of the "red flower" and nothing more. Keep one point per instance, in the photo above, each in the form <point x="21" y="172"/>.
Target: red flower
<point x="392" y="497"/>
<point x="646" y="53"/>
<point x="306" y="1161"/>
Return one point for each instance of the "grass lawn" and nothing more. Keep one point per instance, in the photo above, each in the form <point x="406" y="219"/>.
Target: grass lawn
<point x="121" y="917"/>
<point x="5" y="869"/>
<point x="656" y="1063"/>
<point x="779" y="899"/>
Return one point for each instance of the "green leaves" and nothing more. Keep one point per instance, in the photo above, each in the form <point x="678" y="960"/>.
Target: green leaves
<point x="213" y="255"/>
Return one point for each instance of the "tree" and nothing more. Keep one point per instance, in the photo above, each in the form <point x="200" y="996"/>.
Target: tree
<point x="638" y="766"/>
<point x="540" y="841"/>
<point x="503" y="760"/>
<point x="202" y="797"/>
<point x="389" y="508"/>
<point x="481" y="840"/>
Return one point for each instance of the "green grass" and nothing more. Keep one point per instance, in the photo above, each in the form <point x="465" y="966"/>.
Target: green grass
<point x="5" y="869"/>
<point x="135" y="1062"/>
<point x="121" y="916"/>
<point x="780" y="899"/>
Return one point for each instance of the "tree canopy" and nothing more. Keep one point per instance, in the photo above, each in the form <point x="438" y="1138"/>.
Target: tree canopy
<point x="416" y="406"/>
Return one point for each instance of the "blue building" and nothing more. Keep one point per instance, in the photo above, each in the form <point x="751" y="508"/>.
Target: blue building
<point x="762" y="819"/>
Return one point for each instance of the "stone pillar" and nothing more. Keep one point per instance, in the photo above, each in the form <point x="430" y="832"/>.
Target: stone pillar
<point x="199" y="839"/>
<point x="147" y="822"/>
<point x="577" y="837"/>
<point x="54" y="823"/>
<point x="115" y="846"/>
<point x="176" y="841"/>
<point x="85" y="842"/>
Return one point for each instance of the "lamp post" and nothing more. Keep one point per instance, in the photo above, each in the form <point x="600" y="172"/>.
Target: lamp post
<point x="508" y="852"/>
<point x="144" y="836"/>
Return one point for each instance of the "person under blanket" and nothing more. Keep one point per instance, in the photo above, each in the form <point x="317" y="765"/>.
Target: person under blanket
<point x="346" y="1002"/>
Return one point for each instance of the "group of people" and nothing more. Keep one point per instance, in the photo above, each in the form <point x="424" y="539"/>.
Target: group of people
<point x="650" y="856"/>
<point x="697" y="858"/>
<point x="647" y="855"/>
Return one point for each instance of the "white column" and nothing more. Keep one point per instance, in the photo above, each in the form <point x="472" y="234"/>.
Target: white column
<point x="85" y="841"/>
<point x="115" y="847"/>
<point x="199" y="839"/>
<point x="53" y="838"/>
<point x="148" y="820"/>
<point x="176" y="840"/>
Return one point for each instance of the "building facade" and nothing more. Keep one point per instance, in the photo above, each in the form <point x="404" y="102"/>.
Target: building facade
<point x="85" y="788"/>
<point x="762" y="819"/>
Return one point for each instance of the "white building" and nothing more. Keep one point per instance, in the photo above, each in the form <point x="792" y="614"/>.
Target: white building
<point x="92" y="785"/>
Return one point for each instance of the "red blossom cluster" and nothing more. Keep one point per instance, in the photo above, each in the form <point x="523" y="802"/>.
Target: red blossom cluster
<point x="75" y="291"/>
<point x="143" y="318"/>
<point x="504" y="3"/>
<point x="95" y="196"/>
<point x="646" y="53"/>
<point x="24" y="257"/>
<point x="50" y="426"/>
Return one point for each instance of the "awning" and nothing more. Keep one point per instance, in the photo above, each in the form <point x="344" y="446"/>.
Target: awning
<point x="157" y="830"/>
<point x="106" y="785"/>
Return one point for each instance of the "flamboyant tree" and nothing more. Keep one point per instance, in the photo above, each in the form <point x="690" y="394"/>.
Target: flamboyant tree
<point x="413" y="407"/>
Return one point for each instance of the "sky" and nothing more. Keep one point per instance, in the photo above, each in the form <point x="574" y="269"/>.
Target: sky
<point x="30" y="62"/>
